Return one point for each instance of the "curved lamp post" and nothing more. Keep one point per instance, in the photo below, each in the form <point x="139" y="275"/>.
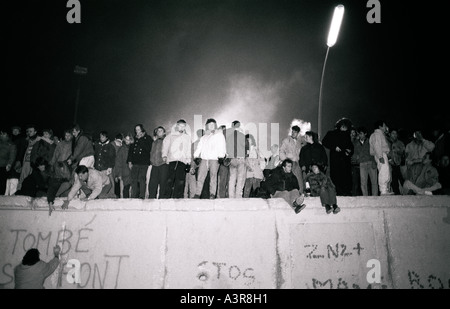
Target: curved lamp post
<point x="332" y="38"/>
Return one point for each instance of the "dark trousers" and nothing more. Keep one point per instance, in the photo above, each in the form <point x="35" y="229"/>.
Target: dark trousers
<point x="117" y="188"/>
<point x="3" y="178"/>
<point x="356" y="180"/>
<point x="341" y="175"/>
<point x="126" y="191"/>
<point x="158" y="177"/>
<point x="138" y="179"/>
<point x="224" y="177"/>
<point x="328" y="196"/>
<point x="176" y="179"/>
<point x="397" y="177"/>
<point x="205" y="189"/>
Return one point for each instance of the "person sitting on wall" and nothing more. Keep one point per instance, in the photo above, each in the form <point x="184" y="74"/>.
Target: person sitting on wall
<point x="322" y="185"/>
<point x="32" y="272"/>
<point x="36" y="184"/>
<point x="426" y="181"/>
<point x="89" y="184"/>
<point x="282" y="183"/>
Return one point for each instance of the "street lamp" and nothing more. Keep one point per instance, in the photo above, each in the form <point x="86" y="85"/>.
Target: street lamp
<point x="80" y="71"/>
<point x="332" y="38"/>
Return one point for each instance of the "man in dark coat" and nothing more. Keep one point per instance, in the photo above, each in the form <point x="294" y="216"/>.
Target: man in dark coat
<point x="139" y="161"/>
<point x="341" y="149"/>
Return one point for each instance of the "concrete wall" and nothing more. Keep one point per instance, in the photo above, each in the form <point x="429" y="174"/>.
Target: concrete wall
<point x="248" y="243"/>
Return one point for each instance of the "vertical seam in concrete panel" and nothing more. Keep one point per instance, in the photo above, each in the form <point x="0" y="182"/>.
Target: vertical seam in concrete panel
<point x="165" y="256"/>
<point x="390" y="258"/>
<point x="278" y="269"/>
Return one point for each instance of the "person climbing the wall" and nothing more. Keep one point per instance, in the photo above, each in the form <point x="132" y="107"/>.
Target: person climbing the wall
<point x="32" y="272"/>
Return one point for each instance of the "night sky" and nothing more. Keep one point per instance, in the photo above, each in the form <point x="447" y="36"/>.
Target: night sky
<point x="154" y="62"/>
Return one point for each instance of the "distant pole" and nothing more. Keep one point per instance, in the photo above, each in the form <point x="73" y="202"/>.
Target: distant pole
<point x="80" y="71"/>
<point x="319" y="121"/>
<point x="332" y="38"/>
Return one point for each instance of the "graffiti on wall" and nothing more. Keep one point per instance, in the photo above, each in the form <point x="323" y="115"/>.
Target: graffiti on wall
<point x="218" y="270"/>
<point x="74" y="243"/>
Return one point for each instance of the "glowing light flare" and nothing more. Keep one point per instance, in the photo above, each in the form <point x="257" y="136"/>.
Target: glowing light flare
<point x="302" y="124"/>
<point x="338" y="15"/>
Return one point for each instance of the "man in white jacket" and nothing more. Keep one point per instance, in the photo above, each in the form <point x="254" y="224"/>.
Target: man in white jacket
<point x="176" y="152"/>
<point x="210" y="149"/>
<point x="90" y="183"/>
<point x="379" y="148"/>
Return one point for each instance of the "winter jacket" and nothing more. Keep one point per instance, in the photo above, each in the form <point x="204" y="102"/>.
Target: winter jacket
<point x="212" y="146"/>
<point x="416" y="151"/>
<point x="139" y="153"/>
<point x="96" y="181"/>
<point x="105" y="155"/>
<point x="62" y="152"/>
<point x="378" y="144"/>
<point x="82" y="147"/>
<point x="341" y="139"/>
<point x="44" y="148"/>
<point x="156" y="157"/>
<point x="121" y="168"/>
<point x="279" y="180"/>
<point x="290" y="148"/>
<point x="362" y="152"/>
<point x="177" y="147"/>
<point x="427" y="176"/>
<point x="7" y="154"/>
<point x="313" y="154"/>
<point x="33" y="276"/>
<point x="317" y="182"/>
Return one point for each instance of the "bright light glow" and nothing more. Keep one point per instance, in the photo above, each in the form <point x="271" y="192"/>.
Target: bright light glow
<point x="335" y="25"/>
<point x="302" y="124"/>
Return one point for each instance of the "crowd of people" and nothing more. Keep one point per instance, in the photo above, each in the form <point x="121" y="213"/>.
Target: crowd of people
<point x="223" y="163"/>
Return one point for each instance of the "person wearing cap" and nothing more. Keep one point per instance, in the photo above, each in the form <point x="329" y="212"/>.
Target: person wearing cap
<point x="211" y="148"/>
